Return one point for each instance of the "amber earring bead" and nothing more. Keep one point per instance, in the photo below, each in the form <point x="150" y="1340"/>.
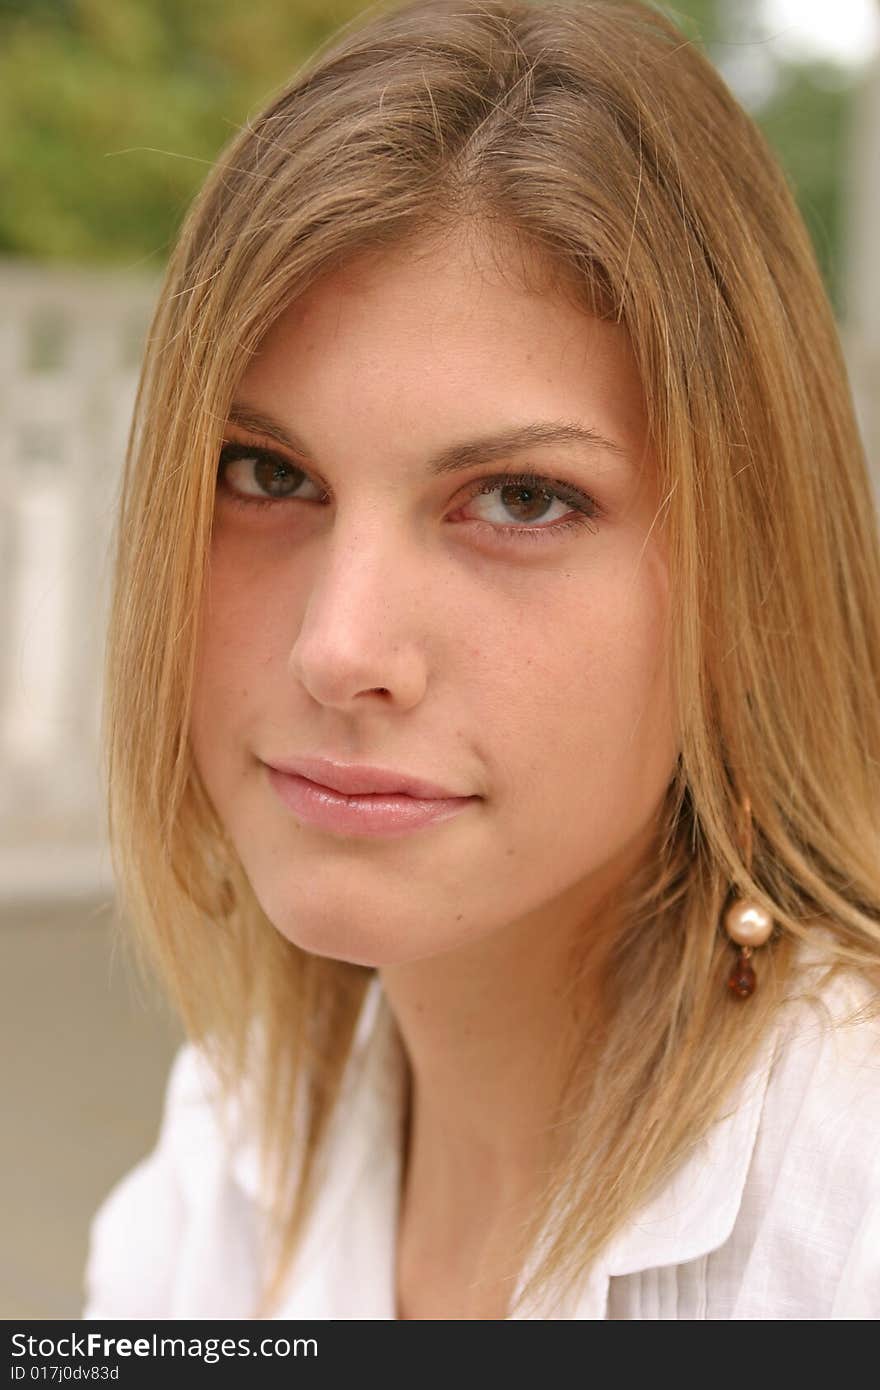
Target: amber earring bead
<point x="748" y="925"/>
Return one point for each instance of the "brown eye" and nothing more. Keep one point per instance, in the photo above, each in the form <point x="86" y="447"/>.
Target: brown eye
<point x="253" y="474"/>
<point x="527" y="501"/>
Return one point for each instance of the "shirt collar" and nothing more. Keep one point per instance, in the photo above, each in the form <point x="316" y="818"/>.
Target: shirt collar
<point x="695" y="1210"/>
<point x="689" y="1215"/>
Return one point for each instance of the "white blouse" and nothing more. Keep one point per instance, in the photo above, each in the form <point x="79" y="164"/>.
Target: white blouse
<point x="775" y="1215"/>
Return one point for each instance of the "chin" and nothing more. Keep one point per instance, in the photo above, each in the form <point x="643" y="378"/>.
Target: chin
<point x="344" y="938"/>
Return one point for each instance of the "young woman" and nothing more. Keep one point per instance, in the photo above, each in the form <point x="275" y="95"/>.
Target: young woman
<point x="492" y="704"/>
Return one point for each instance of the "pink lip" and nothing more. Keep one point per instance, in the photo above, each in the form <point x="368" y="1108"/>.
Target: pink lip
<point x="366" y="813"/>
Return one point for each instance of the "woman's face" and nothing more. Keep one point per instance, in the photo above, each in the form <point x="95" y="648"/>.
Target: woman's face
<point x="366" y="607"/>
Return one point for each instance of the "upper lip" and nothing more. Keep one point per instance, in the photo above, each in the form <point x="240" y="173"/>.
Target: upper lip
<point x="355" y="778"/>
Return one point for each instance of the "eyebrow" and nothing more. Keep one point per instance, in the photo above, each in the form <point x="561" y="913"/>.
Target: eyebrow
<point x="454" y="457"/>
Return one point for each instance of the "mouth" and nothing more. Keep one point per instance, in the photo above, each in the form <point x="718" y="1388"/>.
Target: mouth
<point x="362" y="813"/>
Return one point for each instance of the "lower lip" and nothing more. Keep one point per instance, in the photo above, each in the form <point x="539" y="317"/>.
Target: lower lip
<point x="376" y="813"/>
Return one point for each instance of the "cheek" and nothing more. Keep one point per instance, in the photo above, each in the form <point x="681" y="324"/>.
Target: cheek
<point x="591" y="735"/>
<point x="238" y="643"/>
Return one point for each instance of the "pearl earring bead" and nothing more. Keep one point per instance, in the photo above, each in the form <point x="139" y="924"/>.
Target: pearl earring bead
<point x="748" y="924"/>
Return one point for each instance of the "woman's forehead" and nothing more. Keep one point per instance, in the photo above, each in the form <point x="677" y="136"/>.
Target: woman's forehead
<point x="427" y="302"/>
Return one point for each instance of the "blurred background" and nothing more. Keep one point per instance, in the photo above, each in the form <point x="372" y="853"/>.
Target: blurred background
<point x="111" y="112"/>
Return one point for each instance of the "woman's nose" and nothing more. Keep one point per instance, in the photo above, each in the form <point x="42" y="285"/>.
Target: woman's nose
<point x="362" y="631"/>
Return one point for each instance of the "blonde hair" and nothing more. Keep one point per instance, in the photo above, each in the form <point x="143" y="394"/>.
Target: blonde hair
<point x="599" y="140"/>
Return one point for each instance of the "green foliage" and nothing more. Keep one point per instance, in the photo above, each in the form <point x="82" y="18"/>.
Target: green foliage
<point x="111" y="112"/>
<point x="807" y="121"/>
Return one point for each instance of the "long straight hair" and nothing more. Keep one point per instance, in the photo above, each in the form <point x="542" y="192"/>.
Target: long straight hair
<point x="599" y="140"/>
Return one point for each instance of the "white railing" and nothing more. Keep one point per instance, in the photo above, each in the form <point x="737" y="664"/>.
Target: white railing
<point x="863" y="361"/>
<point x="70" y="345"/>
<point x="862" y="283"/>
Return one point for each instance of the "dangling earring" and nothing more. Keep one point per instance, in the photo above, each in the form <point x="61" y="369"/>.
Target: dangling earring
<point x="747" y="924"/>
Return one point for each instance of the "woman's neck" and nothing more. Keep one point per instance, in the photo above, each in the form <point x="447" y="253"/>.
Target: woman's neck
<point x="488" y="1042"/>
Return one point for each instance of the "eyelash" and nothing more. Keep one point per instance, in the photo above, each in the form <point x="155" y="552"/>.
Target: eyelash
<point x="586" y="509"/>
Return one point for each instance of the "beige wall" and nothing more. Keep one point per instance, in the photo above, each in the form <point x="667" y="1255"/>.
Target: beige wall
<point x="86" y="1053"/>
